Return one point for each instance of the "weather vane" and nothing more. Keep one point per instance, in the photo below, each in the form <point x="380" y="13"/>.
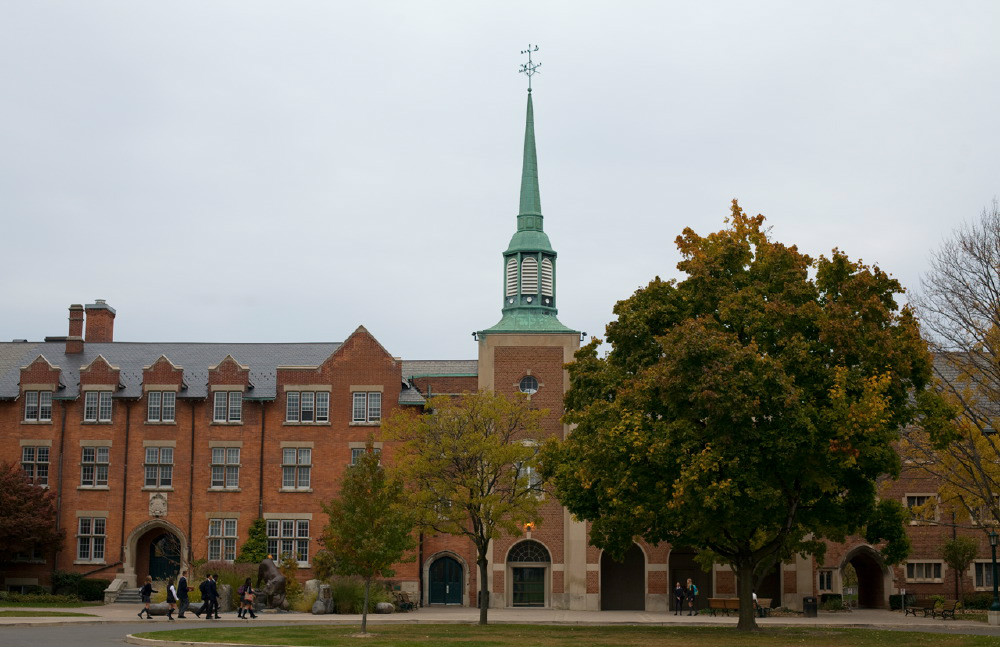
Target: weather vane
<point x="529" y="69"/>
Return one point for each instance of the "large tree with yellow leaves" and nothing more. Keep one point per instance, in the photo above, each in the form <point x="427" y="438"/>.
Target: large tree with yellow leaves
<point x="748" y="410"/>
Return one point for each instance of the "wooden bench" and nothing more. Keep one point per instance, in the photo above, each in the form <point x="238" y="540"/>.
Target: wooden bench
<point x="925" y="606"/>
<point x="946" y="611"/>
<point x="763" y="607"/>
<point x="724" y="605"/>
<point x="403" y="602"/>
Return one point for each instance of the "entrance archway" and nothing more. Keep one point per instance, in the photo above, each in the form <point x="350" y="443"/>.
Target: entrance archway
<point x="528" y="566"/>
<point x="873" y="577"/>
<point x="623" y="584"/>
<point x="155" y="545"/>
<point x="164" y="557"/>
<point x="445" y="581"/>
<point x="682" y="566"/>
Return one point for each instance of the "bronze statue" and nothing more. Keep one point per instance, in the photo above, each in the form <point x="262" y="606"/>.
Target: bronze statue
<point x="273" y="590"/>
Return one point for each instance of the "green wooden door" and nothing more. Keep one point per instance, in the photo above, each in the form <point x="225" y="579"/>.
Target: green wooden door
<point x="446" y="581"/>
<point x="164" y="557"/>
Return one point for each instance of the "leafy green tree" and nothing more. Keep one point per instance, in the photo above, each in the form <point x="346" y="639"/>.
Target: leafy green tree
<point x="747" y="410"/>
<point x="958" y="554"/>
<point x="370" y="527"/>
<point x="469" y="462"/>
<point x="254" y="549"/>
<point x="27" y="516"/>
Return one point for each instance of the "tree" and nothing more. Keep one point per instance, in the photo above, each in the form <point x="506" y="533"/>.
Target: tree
<point x="254" y="549"/>
<point x="958" y="554"/>
<point x="747" y="411"/>
<point x="27" y="516"/>
<point x="469" y="461"/>
<point x="370" y="527"/>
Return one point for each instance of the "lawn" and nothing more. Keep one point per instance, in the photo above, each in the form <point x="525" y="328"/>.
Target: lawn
<point x="9" y="613"/>
<point x="411" y="635"/>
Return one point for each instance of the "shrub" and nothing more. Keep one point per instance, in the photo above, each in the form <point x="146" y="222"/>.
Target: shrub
<point x="232" y="574"/>
<point x="293" y="589"/>
<point x="896" y="601"/>
<point x="349" y="595"/>
<point x="833" y="604"/>
<point x="65" y="582"/>
<point x="91" y="589"/>
<point x="22" y="599"/>
<point x="978" y="601"/>
<point x="305" y="602"/>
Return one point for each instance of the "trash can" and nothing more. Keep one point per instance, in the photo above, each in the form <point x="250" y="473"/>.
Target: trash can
<point x="809" y="606"/>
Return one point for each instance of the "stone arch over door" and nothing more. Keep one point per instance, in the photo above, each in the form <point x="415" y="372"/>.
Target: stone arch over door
<point x="528" y="579"/>
<point x="623" y="584"/>
<point x="874" y="577"/>
<point x="139" y="543"/>
<point x="437" y="568"/>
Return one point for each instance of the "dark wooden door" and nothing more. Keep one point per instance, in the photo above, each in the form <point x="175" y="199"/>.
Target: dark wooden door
<point x="623" y="584"/>
<point x="446" y="581"/>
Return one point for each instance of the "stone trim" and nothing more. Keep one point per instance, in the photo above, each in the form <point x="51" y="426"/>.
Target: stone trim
<point x="92" y="513"/>
<point x="161" y="387"/>
<point x="28" y="442"/>
<point x="298" y="443"/>
<point x="95" y="443"/>
<point x="367" y="387"/>
<point x="308" y="387"/>
<point x="159" y="443"/>
<point x="222" y="515"/>
<point x="225" y="443"/>
<point x="98" y="387"/>
<point x="296" y="516"/>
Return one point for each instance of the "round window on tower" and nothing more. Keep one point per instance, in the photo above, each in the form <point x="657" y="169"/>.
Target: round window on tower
<point x="528" y="385"/>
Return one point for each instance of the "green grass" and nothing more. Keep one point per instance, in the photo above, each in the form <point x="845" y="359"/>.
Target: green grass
<point x="567" y="636"/>
<point x="42" y="614"/>
<point x="6" y="604"/>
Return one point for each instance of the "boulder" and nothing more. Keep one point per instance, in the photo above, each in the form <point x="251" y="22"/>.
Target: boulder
<point x="319" y="608"/>
<point x="310" y="587"/>
<point x="384" y="607"/>
<point x="158" y="609"/>
<point x="225" y="598"/>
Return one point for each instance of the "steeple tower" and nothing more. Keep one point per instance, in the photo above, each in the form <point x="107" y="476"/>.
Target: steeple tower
<point x="529" y="264"/>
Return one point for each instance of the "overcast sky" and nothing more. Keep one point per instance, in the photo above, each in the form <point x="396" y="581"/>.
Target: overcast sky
<point x="287" y="171"/>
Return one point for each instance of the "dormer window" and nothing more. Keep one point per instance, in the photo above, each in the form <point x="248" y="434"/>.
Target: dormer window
<point x="38" y="406"/>
<point x="228" y="406"/>
<point x="97" y="406"/>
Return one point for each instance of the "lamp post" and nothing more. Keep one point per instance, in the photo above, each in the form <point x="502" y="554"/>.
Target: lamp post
<point x="995" y="607"/>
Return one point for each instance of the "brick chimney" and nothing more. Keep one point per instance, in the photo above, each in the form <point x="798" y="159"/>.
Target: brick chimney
<point x="100" y="322"/>
<point x="74" y="343"/>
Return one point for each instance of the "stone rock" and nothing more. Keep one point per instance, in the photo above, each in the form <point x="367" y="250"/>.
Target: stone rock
<point x="225" y="598"/>
<point x="319" y="608"/>
<point x="310" y="587"/>
<point x="158" y="609"/>
<point x="384" y="607"/>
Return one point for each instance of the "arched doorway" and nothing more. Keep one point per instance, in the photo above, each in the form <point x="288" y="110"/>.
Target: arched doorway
<point x="153" y="547"/>
<point x="445" y="581"/>
<point x="623" y="584"/>
<point x="528" y="565"/>
<point x="164" y="557"/>
<point x="873" y="577"/>
<point x="682" y="566"/>
<point x="770" y="586"/>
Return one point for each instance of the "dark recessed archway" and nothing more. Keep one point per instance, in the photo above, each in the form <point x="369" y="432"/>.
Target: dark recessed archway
<point x="623" y="584"/>
<point x="872" y="575"/>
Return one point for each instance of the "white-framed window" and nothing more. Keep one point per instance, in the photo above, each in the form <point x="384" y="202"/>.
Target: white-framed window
<point x="35" y="463"/>
<point x="288" y="537"/>
<point x="529" y="275"/>
<point x="983" y="575"/>
<point x="97" y="406"/>
<point x="307" y="406"/>
<point x="228" y="406"/>
<point x="38" y="406"/>
<point x="159" y="467"/>
<point x="90" y="536"/>
<point x="94" y="466"/>
<point x="924" y="572"/>
<point x="923" y="507"/>
<point x="825" y="580"/>
<point x="511" y="289"/>
<point x="358" y="452"/>
<point x="161" y="406"/>
<point x="226" y="467"/>
<point x="367" y="406"/>
<point x="528" y="384"/>
<point x="983" y="515"/>
<point x="221" y="540"/>
<point x="296" y="468"/>
<point x="546" y="277"/>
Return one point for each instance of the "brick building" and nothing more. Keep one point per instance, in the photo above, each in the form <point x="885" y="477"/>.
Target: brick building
<point x="165" y="453"/>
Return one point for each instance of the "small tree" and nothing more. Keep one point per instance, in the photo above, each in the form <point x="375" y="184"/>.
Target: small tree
<point x="469" y="461"/>
<point x="958" y="554"/>
<point x="254" y="549"/>
<point x="370" y="527"/>
<point x="27" y="515"/>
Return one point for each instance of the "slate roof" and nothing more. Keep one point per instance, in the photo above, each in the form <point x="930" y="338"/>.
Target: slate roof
<point x="439" y="367"/>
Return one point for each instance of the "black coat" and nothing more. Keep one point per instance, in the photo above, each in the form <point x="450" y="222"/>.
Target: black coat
<point x="182" y="588"/>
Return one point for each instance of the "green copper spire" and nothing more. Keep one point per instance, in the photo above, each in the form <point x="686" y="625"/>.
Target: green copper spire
<point x="531" y="202"/>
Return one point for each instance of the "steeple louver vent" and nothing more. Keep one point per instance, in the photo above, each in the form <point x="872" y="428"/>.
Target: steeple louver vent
<point x="511" y="277"/>
<point x="529" y="276"/>
<point x="546" y="277"/>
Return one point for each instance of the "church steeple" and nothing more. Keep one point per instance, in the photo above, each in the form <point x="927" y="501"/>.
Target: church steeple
<point x="529" y="264"/>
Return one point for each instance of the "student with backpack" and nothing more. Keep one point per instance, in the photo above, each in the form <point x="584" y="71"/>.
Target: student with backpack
<point x="692" y="590"/>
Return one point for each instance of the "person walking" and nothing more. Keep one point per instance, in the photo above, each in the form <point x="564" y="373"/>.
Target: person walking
<point x="146" y="592"/>
<point x="214" y="595"/>
<point x="246" y="600"/>
<point x="171" y="600"/>
<point x="679" y="594"/>
<point x="692" y="591"/>
<point x="182" y="594"/>
<point x="206" y="602"/>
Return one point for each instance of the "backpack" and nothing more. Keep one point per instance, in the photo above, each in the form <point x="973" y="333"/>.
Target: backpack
<point x="242" y="589"/>
<point x="694" y="588"/>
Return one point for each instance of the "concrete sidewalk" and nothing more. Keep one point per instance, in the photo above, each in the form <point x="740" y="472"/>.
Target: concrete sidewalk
<point x="866" y="618"/>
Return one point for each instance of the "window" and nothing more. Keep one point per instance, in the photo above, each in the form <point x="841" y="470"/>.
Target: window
<point x="35" y="463"/>
<point x="358" y="452"/>
<point x="529" y="276"/>
<point x="983" y="515"/>
<point x="226" y="467"/>
<point x="161" y="406"/>
<point x="984" y="575"/>
<point x="367" y="406"/>
<point x="923" y="572"/>
<point x="90" y="539"/>
<point x="923" y="507"/>
<point x="38" y="406"/>
<point x="288" y="537"/>
<point x="296" y="465"/>
<point x="546" y="277"/>
<point x="32" y="555"/>
<point x="159" y="466"/>
<point x="528" y="385"/>
<point x="221" y="540"/>
<point x="826" y="580"/>
<point x="511" y="277"/>
<point x="228" y="406"/>
<point x="94" y="467"/>
<point x="534" y="479"/>
<point x="97" y="406"/>
<point x="307" y="406"/>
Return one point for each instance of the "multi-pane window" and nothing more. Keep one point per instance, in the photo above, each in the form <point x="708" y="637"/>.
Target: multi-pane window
<point x="226" y="467"/>
<point x="159" y="466"/>
<point x="296" y="464"/>
<point x="367" y="406"/>
<point x="35" y="463"/>
<point x="358" y="452"/>
<point x="221" y="540"/>
<point x="94" y="466"/>
<point x="307" y="406"/>
<point x="38" y="406"/>
<point x="288" y="537"/>
<point x="923" y="571"/>
<point x="161" y="406"/>
<point x="826" y="580"/>
<point x="984" y="575"/>
<point x="228" y="406"/>
<point x="97" y="406"/>
<point x="90" y="538"/>
<point x="923" y="507"/>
